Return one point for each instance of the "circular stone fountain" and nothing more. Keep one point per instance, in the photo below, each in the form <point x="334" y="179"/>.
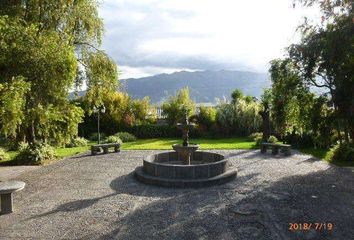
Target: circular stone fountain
<point x="185" y="167"/>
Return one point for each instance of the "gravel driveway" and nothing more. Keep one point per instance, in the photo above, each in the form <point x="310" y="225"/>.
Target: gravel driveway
<point x="87" y="197"/>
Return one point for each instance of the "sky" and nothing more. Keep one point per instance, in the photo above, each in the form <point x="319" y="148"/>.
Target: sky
<point x="148" y="37"/>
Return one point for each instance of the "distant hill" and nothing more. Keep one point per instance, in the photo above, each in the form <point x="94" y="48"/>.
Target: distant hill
<point x="204" y="86"/>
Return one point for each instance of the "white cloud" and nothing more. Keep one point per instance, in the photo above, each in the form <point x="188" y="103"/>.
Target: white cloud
<point x="199" y="34"/>
<point x="138" y="72"/>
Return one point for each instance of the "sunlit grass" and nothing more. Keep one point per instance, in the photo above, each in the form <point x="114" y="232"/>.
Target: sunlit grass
<point x="324" y="155"/>
<point x="165" y="143"/>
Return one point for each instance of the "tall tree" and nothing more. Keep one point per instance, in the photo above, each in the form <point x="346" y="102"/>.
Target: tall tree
<point x="46" y="49"/>
<point x="325" y="58"/>
<point x="289" y="96"/>
<point x="266" y="102"/>
<point x="177" y="106"/>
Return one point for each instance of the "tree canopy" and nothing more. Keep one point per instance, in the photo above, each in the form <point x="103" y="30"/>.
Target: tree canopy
<point x="48" y="48"/>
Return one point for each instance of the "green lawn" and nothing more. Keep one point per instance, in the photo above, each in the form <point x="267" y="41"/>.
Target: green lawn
<point x="60" y="153"/>
<point x="165" y="143"/>
<point x="319" y="153"/>
<point x="324" y="154"/>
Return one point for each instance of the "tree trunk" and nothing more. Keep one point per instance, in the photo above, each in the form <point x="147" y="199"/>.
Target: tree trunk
<point x="266" y="123"/>
<point x="31" y="133"/>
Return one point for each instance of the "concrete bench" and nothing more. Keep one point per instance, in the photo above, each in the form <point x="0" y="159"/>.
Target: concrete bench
<point x="6" y="190"/>
<point x="285" y="148"/>
<point x="105" y="147"/>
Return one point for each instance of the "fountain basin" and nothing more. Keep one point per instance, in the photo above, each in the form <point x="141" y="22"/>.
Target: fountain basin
<point x="185" y="152"/>
<point x="190" y="148"/>
<point x="205" y="169"/>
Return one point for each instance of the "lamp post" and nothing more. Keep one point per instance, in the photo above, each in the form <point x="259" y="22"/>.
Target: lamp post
<point x="98" y="110"/>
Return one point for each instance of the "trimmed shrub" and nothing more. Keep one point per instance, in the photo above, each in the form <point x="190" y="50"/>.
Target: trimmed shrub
<point x="125" y="136"/>
<point x="35" y="154"/>
<point x="22" y="146"/>
<point x="113" y="139"/>
<point x="206" y="116"/>
<point x="3" y="155"/>
<point x="77" y="142"/>
<point x="272" y="139"/>
<point x="258" y="140"/>
<point x="255" y="135"/>
<point x="341" y="152"/>
<point x="94" y="136"/>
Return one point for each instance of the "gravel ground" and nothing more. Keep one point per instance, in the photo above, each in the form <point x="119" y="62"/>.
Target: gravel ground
<point x="87" y="197"/>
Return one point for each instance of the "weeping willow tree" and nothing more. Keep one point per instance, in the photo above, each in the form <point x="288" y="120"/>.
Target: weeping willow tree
<point x="324" y="56"/>
<point x="46" y="49"/>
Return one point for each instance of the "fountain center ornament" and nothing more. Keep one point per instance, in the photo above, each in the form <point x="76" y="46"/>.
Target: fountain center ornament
<point x="186" y="149"/>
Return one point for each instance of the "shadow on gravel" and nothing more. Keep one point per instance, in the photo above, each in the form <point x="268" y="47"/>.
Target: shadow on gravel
<point x="309" y="160"/>
<point x="241" y="209"/>
<point x="127" y="184"/>
<point x="264" y="213"/>
<point x="73" y="206"/>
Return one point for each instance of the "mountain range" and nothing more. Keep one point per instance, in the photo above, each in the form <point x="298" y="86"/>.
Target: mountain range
<point x="204" y="86"/>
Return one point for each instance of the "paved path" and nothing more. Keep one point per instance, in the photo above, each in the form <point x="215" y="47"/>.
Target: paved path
<point x="14" y="171"/>
<point x="88" y="197"/>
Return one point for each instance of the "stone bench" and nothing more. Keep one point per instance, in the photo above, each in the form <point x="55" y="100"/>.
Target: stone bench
<point x="6" y="190"/>
<point x="105" y="147"/>
<point x="285" y="148"/>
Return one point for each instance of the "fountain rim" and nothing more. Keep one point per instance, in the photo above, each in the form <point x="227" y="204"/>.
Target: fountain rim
<point x="185" y="124"/>
<point x="183" y="165"/>
<point x="189" y="145"/>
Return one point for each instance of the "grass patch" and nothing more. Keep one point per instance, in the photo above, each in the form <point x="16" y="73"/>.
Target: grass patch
<point x="60" y="153"/>
<point x="324" y="155"/>
<point x="318" y="153"/>
<point x="66" y="152"/>
<point x="165" y="143"/>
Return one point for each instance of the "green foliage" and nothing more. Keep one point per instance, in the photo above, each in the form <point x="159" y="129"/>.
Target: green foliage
<point x="41" y="46"/>
<point x="341" y="153"/>
<point x="255" y="135"/>
<point x="140" y="109"/>
<point x="102" y="75"/>
<point x="35" y="154"/>
<point x="207" y="116"/>
<point x="236" y="95"/>
<point x="94" y="136"/>
<point x="272" y="139"/>
<point x="126" y="137"/>
<point x="266" y="98"/>
<point x="288" y="95"/>
<point x="77" y="142"/>
<point x="113" y="139"/>
<point x="121" y="112"/>
<point x="22" y="146"/>
<point x="12" y="103"/>
<point x="3" y="155"/>
<point x="324" y="57"/>
<point x="248" y="99"/>
<point x="239" y="118"/>
<point x="258" y="140"/>
<point x="176" y="107"/>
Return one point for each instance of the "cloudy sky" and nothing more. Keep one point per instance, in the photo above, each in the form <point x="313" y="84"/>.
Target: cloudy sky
<point x="147" y="37"/>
